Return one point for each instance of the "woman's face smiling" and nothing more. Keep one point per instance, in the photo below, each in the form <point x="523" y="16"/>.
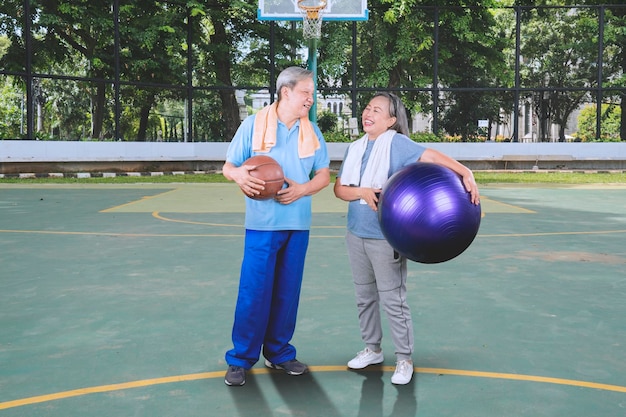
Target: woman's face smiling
<point x="376" y="118"/>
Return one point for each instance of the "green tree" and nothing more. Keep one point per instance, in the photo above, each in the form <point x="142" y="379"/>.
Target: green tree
<point x="396" y="50"/>
<point x="615" y="40"/>
<point x="80" y="32"/>
<point x="234" y="50"/>
<point x="65" y="28"/>
<point x="614" y="56"/>
<point x="558" y="52"/>
<point x="10" y="112"/>
<point x="327" y="121"/>
<point x="610" y="121"/>
<point x="10" y="99"/>
<point x="472" y="56"/>
<point x="152" y="52"/>
<point x="4" y="45"/>
<point x="231" y="50"/>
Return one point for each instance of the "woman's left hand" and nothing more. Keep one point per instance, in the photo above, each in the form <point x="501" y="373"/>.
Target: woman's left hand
<point x="470" y="185"/>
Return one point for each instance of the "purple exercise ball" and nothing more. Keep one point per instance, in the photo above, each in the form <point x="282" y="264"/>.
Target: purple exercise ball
<point x="426" y="214"/>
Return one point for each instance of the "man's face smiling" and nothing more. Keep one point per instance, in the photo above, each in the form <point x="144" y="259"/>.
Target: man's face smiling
<point x="299" y="100"/>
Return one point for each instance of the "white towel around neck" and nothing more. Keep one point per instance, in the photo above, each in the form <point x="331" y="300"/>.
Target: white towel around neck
<point x="377" y="168"/>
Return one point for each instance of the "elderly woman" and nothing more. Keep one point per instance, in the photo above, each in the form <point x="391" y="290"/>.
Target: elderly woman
<point x="379" y="273"/>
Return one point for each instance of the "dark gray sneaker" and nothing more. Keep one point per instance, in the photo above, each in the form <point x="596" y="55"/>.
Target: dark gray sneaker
<point x="235" y="376"/>
<point x="292" y="367"/>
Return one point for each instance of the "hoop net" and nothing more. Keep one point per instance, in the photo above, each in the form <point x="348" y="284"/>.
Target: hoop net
<point x="312" y="12"/>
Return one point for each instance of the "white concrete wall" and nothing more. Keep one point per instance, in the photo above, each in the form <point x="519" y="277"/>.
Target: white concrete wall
<point x="496" y="150"/>
<point x="59" y="151"/>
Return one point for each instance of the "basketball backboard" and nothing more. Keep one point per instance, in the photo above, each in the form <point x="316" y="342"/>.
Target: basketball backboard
<point x="335" y="10"/>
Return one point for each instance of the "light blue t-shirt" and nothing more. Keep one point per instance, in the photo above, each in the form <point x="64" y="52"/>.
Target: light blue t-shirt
<point x="268" y="214"/>
<point x="362" y="220"/>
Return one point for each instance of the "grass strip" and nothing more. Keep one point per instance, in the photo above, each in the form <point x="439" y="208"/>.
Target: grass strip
<point x="482" y="177"/>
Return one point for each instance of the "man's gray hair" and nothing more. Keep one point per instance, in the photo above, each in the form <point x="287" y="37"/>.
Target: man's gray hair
<point x="291" y="76"/>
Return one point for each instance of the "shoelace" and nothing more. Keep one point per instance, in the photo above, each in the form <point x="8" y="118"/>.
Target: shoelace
<point x="403" y="367"/>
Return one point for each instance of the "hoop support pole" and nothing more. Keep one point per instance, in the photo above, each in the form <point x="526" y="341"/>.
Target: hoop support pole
<point x="312" y="66"/>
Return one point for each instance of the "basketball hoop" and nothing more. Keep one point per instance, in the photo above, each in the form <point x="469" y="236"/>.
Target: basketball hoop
<point x="312" y="11"/>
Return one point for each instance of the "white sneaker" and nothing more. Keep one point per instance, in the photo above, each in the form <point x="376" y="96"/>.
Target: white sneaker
<point x="365" y="358"/>
<point x="403" y="373"/>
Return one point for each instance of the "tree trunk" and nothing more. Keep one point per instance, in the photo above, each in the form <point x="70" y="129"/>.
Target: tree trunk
<point x="97" y="118"/>
<point x="230" y="107"/>
<point x="620" y="13"/>
<point x="622" y="127"/>
<point x="144" y="114"/>
<point x="562" y="132"/>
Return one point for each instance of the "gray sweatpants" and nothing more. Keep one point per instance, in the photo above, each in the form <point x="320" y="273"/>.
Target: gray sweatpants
<point x="380" y="280"/>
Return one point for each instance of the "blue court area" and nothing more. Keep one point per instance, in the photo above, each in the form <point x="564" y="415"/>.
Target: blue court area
<point x="117" y="300"/>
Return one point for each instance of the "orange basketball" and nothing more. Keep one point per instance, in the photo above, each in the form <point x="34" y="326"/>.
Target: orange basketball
<point x="268" y="170"/>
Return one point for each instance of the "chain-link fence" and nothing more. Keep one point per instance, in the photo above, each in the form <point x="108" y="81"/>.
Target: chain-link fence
<point x="155" y="71"/>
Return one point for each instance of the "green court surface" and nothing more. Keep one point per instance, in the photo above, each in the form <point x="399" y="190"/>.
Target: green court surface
<point x="117" y="300"/>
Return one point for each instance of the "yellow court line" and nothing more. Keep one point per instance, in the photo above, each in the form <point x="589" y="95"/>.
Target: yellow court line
<point x="508" y="205"/>
<point x="53" y="232"/>
<point x="519" y="377"/>
<point x="107" y="388"/>
<point x="58" y="232"/>
<point x="159" y="216"/>
<point x="596" y="232"/>
<point x="220" y="374"/>
<point x="142" y="199"/>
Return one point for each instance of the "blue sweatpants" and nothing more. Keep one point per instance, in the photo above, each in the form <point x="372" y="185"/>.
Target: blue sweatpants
<point x="269" y="294"/>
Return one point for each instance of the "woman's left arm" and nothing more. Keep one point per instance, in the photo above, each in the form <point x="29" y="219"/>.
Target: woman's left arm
<point x="436" y="157"/>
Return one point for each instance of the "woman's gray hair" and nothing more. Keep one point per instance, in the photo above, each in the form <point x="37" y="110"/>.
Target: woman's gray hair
<point x="397" y="110"/>
<point x="291" y="76"/>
